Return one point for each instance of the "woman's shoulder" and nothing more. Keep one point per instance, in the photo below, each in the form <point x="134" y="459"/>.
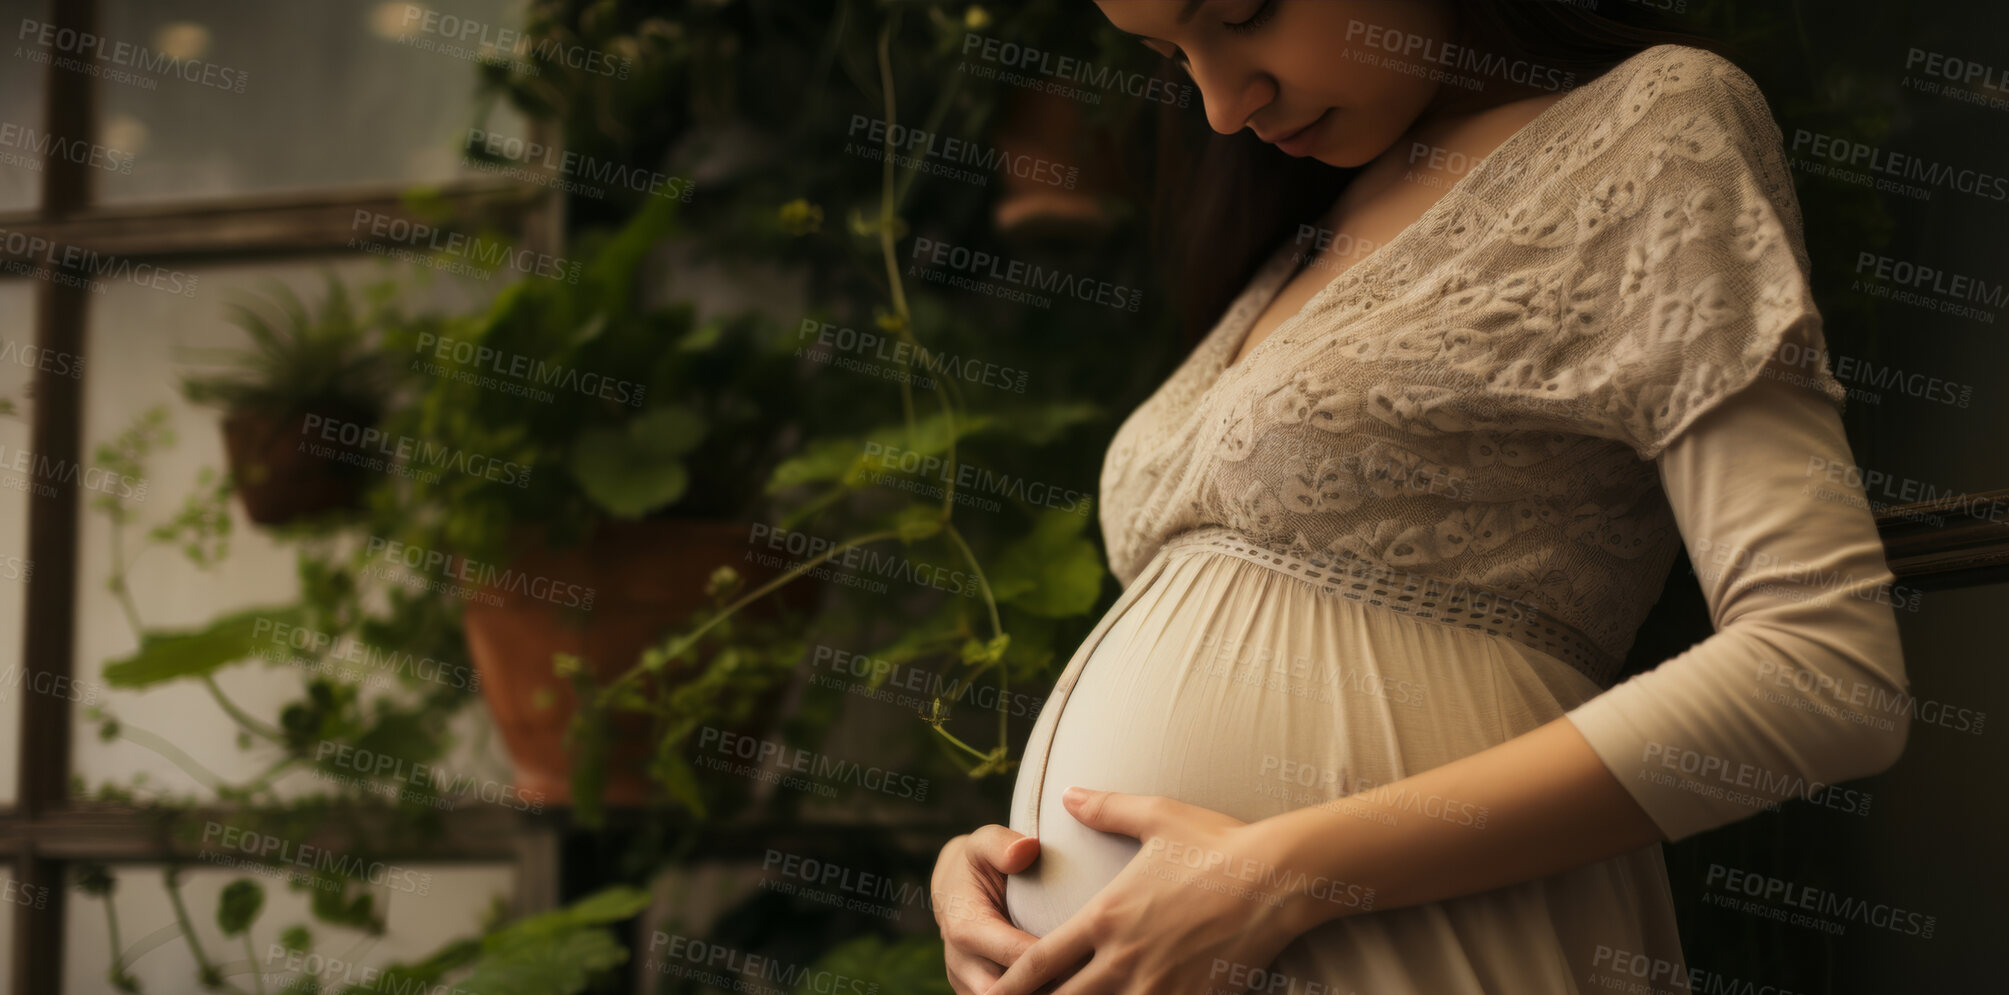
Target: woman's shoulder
<point x="1674" y="79"/>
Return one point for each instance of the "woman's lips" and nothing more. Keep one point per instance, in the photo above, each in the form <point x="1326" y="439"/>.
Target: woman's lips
<point x="1299" y="142"/>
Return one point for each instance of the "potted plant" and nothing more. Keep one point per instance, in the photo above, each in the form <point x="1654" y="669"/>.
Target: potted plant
<point x="640" y="437"/>
<point x="304" y="370"/>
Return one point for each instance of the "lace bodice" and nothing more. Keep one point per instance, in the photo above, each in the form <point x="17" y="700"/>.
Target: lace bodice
<point x="1478" y="402"/>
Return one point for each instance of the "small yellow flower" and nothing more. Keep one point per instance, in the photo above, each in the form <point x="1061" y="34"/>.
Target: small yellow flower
<point x="722" y="580"/>
<point x="800" y="217"/>
<point x="890" y="322"/>
<point x="976" y="18"/>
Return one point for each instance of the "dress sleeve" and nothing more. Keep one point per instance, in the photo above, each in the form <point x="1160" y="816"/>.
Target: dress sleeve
<point x="1688" y="265"/>
<point x="1803" y="684"/>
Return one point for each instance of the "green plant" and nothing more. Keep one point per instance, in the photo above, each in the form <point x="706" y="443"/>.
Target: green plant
<point x="298" y="359"/>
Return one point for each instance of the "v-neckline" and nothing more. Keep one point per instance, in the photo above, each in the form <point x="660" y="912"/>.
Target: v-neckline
<point x="1222" y="362"/>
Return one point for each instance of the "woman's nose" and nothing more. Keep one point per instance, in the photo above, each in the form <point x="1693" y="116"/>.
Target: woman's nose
<point x="1231" y="93"/>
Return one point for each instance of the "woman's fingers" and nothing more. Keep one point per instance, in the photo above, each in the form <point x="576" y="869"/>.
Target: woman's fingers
<point x="968" y="894"/>
<point x="999" y="847"/>
<point x="968" y="973"/>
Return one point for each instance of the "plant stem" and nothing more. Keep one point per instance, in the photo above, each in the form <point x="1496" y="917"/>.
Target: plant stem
<point x="202" y="963"/>
<point x="243" y="718"/>
<point x="997" y="629"/>
<point x="173" y="753"/>
<point x="118" y="969"/>
<point x="257" y="976"/>
<point x="889" y="200"/>
<point x="606" y="693"/>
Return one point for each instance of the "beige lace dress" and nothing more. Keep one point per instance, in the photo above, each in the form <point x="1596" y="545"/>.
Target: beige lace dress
<point x="1428" y="513"/>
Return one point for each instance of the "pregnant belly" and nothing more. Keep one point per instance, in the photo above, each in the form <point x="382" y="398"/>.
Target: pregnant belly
<point x="1230" y="685"/>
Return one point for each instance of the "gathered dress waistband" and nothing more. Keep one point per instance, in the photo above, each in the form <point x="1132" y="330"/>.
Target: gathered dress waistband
<point x="1432" y="599"/>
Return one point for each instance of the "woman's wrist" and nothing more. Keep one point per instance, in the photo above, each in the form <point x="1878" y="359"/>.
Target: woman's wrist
<point x="1310" y="859"/>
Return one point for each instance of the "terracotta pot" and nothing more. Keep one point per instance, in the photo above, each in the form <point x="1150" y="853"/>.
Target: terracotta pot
<point x="277" y="478"/>
<point x="645" y="578"/>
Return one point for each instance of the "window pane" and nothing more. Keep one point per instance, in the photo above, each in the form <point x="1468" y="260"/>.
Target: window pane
<point x="159" y="956"/>
<point x="18" y="357"/>
<point x="174" y="733"/>
<point x="333" y="95"/>
<point x="20" y="119"/>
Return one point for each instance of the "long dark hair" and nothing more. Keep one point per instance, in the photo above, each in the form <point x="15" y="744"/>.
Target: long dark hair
<point x="1222" y="206"/>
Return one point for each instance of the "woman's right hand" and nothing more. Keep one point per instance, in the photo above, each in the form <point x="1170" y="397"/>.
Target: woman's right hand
<point x="968" y="892"/>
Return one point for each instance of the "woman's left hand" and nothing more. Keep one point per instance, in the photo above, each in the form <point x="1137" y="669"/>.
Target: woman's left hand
<point x="1205" y="901"/>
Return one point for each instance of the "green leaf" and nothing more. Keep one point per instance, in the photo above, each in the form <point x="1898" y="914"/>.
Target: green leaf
<point x="237" y="908"/>
<point x="558" y="965"/>
<point x="1053" y="571"/>
<point x="918" y="521"/>
<point x="196" y="653"/>
<point x="911" y="966"/>
<point x="674" y="773"/>
<point x="848" y="458"/>
<point x="633" y="469"/>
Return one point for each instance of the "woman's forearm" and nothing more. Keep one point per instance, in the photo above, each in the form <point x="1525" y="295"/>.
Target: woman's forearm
<point x="1535" y="805"/>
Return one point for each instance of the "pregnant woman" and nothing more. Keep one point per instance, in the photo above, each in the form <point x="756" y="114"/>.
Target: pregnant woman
<point x="1387" y="534"/>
